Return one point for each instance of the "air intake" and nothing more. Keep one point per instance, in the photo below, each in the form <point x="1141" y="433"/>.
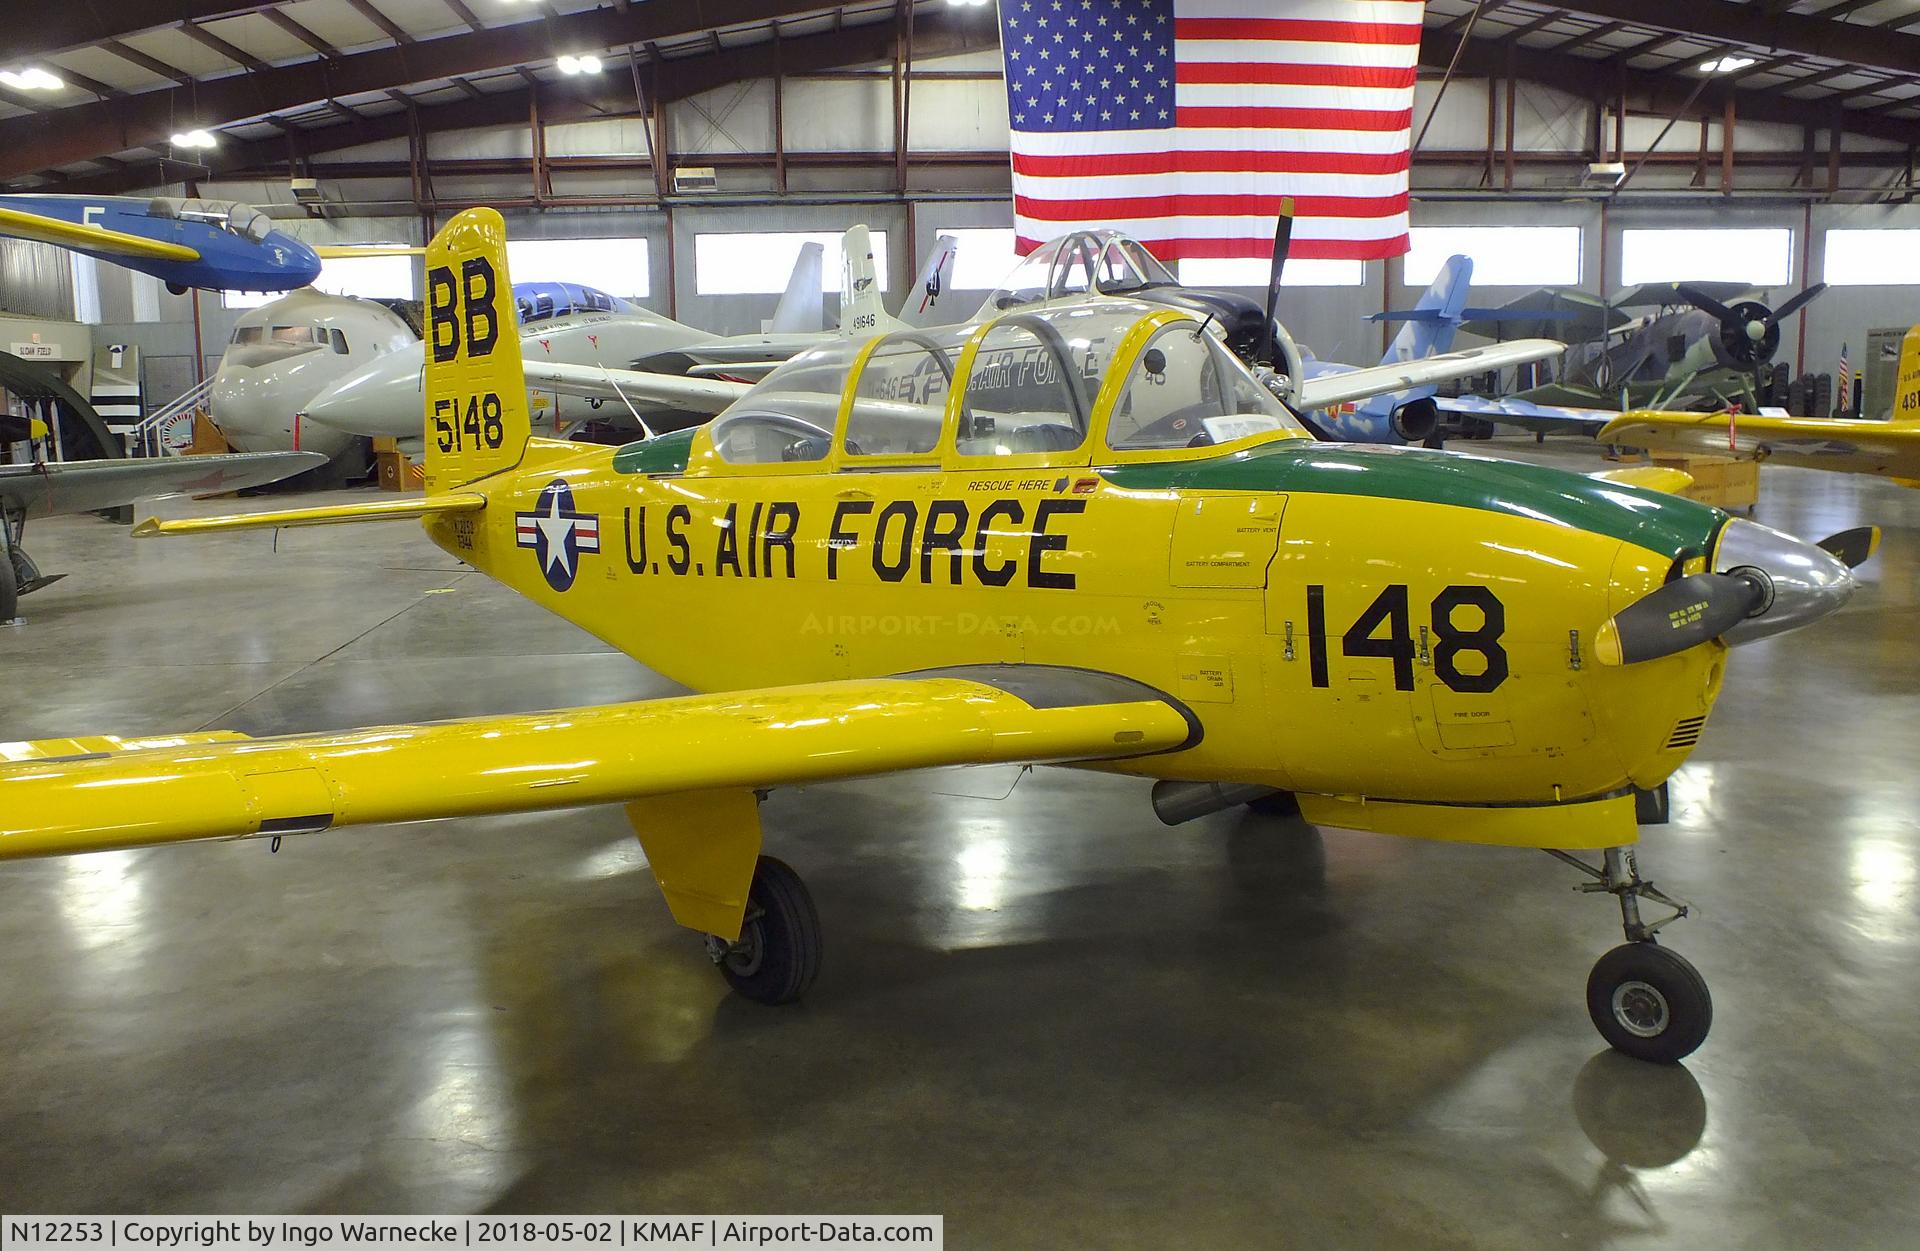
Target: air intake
<point x="1686" y="733"/>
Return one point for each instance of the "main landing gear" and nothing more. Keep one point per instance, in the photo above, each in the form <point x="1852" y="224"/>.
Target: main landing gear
<point x="777" y="954"/>
<point x="1645" y="1000"/>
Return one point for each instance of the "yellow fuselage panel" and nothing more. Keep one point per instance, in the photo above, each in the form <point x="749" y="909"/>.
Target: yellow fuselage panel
<point x="732" y="582"/>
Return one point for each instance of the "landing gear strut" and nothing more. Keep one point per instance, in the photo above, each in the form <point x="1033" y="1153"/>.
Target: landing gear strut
<point x="1645" y="1000"/>
<point x="777" y="954"/>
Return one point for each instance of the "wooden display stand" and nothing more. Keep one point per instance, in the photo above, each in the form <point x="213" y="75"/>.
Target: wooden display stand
<point x="397" y="470"/>
<point x="1720" y="481"/>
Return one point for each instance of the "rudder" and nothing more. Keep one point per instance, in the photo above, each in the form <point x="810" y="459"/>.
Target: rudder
<point x="476" y="393"/>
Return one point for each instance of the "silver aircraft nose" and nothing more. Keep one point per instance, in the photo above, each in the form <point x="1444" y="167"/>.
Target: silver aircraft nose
<point x="1799" y="581"/>
<point x="382" y="400"/>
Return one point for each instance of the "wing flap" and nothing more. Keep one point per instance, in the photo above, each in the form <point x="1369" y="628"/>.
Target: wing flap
<point x="612" y="753"/>
<point x="325" y="515"/>
<point x="90" y="238"/>
<point x="1358" y="384"/>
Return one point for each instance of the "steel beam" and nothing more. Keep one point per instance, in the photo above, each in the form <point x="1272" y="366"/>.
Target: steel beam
<point x="1806" y="34"/>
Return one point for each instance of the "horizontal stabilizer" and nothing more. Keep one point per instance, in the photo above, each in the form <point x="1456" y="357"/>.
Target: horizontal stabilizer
<point x="328" y="515"/>
<point x="349" y="251"/>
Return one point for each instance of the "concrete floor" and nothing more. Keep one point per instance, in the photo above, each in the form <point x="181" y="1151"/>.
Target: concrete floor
<point x="1043" y="1015"/>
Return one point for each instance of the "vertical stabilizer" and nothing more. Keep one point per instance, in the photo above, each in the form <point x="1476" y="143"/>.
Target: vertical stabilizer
<point x="802" y="306"/>
<point x="861" y="312"/>
<point x="476" y="393"/>
<point x="1441" y="304"/>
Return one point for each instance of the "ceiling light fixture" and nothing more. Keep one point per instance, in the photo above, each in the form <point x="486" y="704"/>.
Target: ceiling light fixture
<point x="579" y="64"/>
<point x="1725" y="64"/>
<point x="35" y="79"/>
<point x="195" y="138"/>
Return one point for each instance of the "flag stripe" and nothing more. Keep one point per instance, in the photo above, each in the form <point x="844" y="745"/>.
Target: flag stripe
<point x="1163" y="161"/>
<point x="1242" y="247"/>
<point x="1210" y="205"/>
<point x="1319" y="119"/>
<point x="1294" y="74"/>
<point x="1297" y="30"/>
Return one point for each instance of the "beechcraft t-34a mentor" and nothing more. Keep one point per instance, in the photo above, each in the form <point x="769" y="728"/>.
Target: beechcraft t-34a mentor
<point x="1412" y="642"/>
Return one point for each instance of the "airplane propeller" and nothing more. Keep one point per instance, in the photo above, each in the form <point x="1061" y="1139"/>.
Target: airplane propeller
<point x="1785" y="585"/>
<point x="1269" y="352"/>
<point x="1749" y="330"/>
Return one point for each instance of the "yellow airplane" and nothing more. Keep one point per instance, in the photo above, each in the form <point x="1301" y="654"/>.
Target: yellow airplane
<point x="1084" y="536"/>
<point x="1887" y="448"/>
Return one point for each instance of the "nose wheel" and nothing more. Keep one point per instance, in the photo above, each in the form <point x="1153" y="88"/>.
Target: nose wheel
<point x="777" y="955"/>
<point x="1646" y="1001"/>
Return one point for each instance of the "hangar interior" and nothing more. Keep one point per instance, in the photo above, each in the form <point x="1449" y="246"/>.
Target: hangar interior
<point x="1043" y="1015"/>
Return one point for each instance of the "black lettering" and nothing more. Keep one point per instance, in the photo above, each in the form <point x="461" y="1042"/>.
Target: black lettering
<point x="945" y="538"/>
<point x="1317" y="634"/>
<point x="635" y="523"/>
<point x="894" y="570"/>
<point x="1389" y="608"/>
<point x="727" y="556"/>
<point x="839" y="540"/>
<point x="1043" y="543"/>
<point x="1485" y="639"/>
<point x="783" y="518"/>
<point x="476" y="276"/>
<point x="682" y="555"/>
<point x="1001" y="574"/>
<point x="753" y="542"/>
<point x="443" y="330"/>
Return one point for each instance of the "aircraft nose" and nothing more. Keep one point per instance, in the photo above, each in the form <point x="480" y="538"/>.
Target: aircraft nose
<point x="1799" y="582"/>
<point x="374" y="403"/>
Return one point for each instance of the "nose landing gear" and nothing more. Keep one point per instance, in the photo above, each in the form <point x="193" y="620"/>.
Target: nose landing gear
<point x="1645" y="1000"/>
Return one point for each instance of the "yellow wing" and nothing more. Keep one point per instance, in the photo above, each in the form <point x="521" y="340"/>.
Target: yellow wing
<point x="323" y="515"/>
<point x="686" y="767"/>
<point x="1888" y="448"/>
<point x="92" y="238"/>
<point x="339" y="251"/>
<point x="1652" y="477"/>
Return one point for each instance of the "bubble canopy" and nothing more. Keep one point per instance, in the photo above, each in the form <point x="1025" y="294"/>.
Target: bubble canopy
<point x="1081" y="385"/>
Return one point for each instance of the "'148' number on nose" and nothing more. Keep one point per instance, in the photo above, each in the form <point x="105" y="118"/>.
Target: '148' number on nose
<point x="1384" y="630"/>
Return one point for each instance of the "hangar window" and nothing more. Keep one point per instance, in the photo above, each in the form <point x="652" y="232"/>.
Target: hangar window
<point x="759" y="263"/>
<point x="1762" y="257"/>
<point x="1252" y="271"/>
<point x="1503" y="256"/>
<point x="1187" y="391"/>
<point x="981" y="258"/>
<point x="619" y="266"/>
<point x="368" y="277"/>
<point x="1862" y="258"/>
<point x="1029" y="391"/>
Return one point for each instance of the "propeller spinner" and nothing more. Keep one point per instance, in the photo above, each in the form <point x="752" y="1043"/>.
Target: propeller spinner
<point x="1749" y="330"/>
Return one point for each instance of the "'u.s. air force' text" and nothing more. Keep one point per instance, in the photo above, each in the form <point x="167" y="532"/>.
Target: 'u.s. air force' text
<point x="946" y="542"/>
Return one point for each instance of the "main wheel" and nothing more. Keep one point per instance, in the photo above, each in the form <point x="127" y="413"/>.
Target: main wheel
<point x="1649" y="1003"/>
<point x="778" y="954"/>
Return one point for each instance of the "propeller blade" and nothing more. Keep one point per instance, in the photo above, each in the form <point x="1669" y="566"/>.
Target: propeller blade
<point x="1795" y="304"/>
<point x="1702" y="301"/>
<point x="1282" y="241"/>
<point x="1684" y="613"/>
<point x="1852" y="547"/>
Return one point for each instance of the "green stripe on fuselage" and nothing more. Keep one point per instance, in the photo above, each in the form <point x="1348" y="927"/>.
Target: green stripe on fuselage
<point x="666" y="454"/>
<point x="1650" y="519"/>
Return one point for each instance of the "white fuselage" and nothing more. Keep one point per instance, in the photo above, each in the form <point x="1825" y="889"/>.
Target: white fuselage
<point x="285" y="353"/>
<point x="386" y="397"/>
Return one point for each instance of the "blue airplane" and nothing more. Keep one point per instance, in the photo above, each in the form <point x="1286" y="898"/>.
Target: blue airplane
<point x="211" y="244"/>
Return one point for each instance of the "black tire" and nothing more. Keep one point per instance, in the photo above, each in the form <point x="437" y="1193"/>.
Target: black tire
<point x="9" y="589"/>
<point x="1649" y="1003"/>
<point x="778" y="954"/>
<point x="1278" y="804"/>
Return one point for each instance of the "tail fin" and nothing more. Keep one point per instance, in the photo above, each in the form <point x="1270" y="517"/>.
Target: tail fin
<point x="800" y="309"/>
<point x="936" y="273"/>
<point x="1906" y="387"/>
<point x="861" y="312"/>
<point x="1443" y="302"/>
<point x="476" y="393"/>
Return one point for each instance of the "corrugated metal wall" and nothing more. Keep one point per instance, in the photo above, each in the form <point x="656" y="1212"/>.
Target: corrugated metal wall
<point x="35" y="280"/>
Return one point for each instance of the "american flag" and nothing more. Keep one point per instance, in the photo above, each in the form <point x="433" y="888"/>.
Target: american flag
<point x="1185" y="122"/>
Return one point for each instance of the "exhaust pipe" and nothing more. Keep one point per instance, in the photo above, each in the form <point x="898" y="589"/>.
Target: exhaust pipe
<point x="1178" y="802"/>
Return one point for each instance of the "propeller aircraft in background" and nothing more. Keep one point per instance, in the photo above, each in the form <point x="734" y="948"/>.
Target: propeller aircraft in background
<point x="215" y="245"/>
<point x="1177" y="582"/>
